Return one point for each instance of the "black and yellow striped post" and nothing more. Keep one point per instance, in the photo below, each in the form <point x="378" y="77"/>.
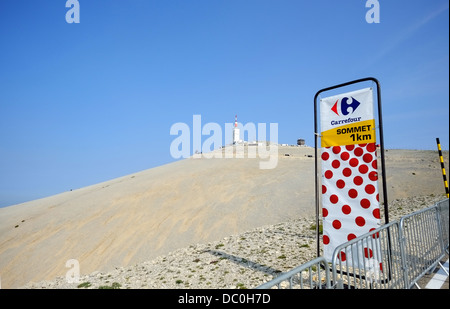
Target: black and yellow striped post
<point x="442" y="166"/>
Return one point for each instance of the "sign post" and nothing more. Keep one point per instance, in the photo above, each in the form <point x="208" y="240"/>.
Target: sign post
<point x="349" y="169"/>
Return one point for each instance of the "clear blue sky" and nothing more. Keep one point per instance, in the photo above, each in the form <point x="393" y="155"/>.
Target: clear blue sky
<point x="88" y="102"/>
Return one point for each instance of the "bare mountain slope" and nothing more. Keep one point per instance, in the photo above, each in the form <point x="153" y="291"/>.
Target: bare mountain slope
<point x="147" y="214"/>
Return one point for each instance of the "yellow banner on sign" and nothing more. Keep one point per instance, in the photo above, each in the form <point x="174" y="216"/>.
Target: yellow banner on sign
<point x="356" y="133"/>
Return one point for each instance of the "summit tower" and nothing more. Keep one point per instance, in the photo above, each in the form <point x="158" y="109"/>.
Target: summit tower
<point x="236" y="132"/>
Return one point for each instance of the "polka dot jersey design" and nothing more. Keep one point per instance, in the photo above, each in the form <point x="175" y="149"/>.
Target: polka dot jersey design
<point x="350" y="200"/>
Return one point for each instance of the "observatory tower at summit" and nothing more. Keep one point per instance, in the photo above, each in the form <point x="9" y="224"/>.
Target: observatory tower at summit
<point x="236" y="132"/>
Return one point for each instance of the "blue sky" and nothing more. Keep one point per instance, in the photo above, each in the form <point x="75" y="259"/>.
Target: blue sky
<point x="88" y="102"/>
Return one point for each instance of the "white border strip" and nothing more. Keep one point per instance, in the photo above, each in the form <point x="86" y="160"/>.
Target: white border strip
<point x="439" y="278"/>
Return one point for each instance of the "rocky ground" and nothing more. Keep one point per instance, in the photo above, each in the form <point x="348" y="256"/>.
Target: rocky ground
<point x="246" y="260"/>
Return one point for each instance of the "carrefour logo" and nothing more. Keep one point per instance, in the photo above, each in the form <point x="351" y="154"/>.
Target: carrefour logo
<point x="347" y="106"/>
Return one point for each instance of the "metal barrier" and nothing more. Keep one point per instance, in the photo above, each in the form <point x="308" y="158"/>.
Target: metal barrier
<point x="370" y="261"/>
<point x="314" y="274"/>
<point x="393" y="256"/>
<point x="443" y="207"/>
<point x="423" y="243"/>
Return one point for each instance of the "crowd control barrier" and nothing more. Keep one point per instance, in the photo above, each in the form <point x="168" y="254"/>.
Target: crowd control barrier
<point x="314" y="274"/>
<point x="393" y="256"/>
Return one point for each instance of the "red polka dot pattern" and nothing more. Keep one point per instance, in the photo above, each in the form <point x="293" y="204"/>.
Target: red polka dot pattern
<point x="350" y="199"/>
